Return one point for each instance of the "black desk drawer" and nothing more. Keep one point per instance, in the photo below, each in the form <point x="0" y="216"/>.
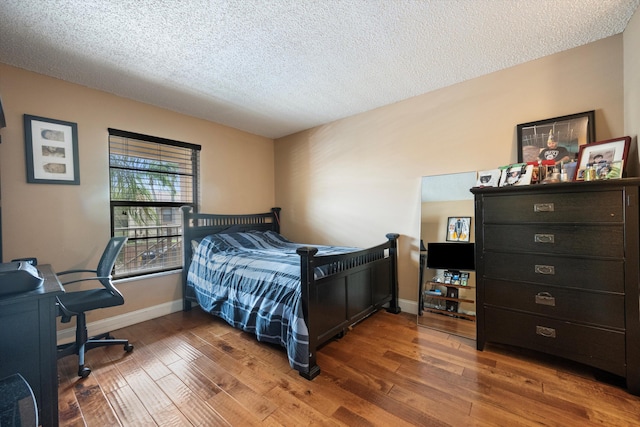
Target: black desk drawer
<point x="595" y="274"/>
<point x="561" y="303"/>
<point x="583" y="240"/>
<point x="598" y="347"/>
<point x="602" y="206"/>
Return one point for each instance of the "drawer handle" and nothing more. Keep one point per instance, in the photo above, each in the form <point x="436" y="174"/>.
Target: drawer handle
<point x="545" y="332"/>
<point x="545" y="269"/>
<point x="545" y="298"/>
<point x="543" y="207"/>
<point x="544" y="238"/>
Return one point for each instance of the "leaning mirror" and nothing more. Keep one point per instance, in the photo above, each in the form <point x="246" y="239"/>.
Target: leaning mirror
<point x="446" y="300"/>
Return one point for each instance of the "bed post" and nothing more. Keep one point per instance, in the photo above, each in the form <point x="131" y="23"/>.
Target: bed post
<point x="186" y="254"/>
<point x="276" y="217"/>
<point x="393" y="254"/>
<point x="307" y="281"/>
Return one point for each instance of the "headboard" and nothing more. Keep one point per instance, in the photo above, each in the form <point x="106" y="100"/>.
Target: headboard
<point x="195" y="226"/>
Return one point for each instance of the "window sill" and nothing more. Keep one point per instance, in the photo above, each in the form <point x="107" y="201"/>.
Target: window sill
<point x="147" y="276"/>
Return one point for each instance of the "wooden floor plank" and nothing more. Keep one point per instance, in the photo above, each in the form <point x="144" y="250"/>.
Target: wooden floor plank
<point x="253" y="402"/>
<point x="367" y="377"/>
<point x="156" y="402"/>
<point x="457" y="410"/>
<point x="313" y="393"/>
<point x="293" y="412"/>
<point x="129" y="408"/>
<point x="193" y="369"/>
<point x="239" y="363"/>
<point x="235" y="413"/>
<point x="96" y="409"/>
<point x="197" y="411"/>
<point x="199" y="384"/>
<point x="69" y="412"/>
<point x="557" y="412"/>
<point x="390" y="406"/>
<point x="149" y="361"/>
<point x="356" y="406"/>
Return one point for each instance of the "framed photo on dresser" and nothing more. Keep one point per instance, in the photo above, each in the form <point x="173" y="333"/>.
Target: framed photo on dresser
<point x="603" y="159"/>
<point x="516" y="174"/>
<point x="489" y="178"/>
<point x="557" y="138"/>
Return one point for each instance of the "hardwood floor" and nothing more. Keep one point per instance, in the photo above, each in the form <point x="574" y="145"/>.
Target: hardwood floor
<point x="193" y="369"/>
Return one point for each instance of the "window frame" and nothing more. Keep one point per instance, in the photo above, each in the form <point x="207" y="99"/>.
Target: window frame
<point x="160" y="205"/>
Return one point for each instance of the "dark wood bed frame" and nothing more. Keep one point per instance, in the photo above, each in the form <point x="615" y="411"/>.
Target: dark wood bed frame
<point x="359" y="283"/>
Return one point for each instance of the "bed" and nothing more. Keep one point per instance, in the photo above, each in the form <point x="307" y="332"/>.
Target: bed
<point x="315" y="294"/>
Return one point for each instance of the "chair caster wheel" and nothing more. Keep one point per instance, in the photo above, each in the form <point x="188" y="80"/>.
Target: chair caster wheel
<point x="128" y="348"/>
<point x="84" y="372"/>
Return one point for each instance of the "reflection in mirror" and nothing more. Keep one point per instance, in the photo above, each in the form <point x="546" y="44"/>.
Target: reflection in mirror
<point x="450" y="308"/>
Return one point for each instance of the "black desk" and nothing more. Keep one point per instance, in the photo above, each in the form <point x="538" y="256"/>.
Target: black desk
<point x="28" y="342"/>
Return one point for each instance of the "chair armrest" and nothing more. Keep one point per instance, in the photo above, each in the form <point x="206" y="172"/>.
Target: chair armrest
<point x="86" y="279"/>
<point x="75" y="271"/>
<point x="62" y="273"/>
<point x="65" y="313"/>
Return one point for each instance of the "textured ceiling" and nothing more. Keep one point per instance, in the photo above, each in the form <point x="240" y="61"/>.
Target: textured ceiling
<point x="275" y="67"/>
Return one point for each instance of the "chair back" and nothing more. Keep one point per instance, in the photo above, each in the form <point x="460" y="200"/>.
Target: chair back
<point x="108" y="260"/>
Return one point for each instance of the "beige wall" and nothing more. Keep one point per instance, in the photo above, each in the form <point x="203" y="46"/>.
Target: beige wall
<point x="353" y="180"/>
<point x="631" y="37"/>
<point x="68" y="225"/>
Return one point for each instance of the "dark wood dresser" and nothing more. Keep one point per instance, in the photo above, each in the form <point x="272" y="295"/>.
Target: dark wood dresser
<point x="557" y="271"/>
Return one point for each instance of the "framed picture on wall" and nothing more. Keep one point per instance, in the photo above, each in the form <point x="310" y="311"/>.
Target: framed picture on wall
<point x="558" y="138"/>
<point x="51" y="148"/>
<point x="459" y="229"/>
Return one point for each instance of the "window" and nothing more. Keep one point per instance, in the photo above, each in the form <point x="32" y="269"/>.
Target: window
<point x="150" y="179"/>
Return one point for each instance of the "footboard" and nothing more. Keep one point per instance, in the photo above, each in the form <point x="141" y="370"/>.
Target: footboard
<point x="349" y="288"/>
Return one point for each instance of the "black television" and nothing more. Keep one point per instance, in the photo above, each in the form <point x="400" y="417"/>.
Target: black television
<point x="451" y="256"/>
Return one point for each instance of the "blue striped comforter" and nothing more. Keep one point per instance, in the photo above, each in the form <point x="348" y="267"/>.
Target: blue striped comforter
<point x="252" y="281"/>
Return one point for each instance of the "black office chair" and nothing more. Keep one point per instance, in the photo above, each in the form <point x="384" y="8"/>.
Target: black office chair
<point x="72" y="304"/>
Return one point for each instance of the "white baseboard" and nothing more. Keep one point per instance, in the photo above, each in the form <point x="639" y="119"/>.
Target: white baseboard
<point x="408" y="306"/>
<point x="122" y="320"/>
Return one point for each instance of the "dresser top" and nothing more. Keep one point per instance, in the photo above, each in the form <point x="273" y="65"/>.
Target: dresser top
<point x="577" y="186"/>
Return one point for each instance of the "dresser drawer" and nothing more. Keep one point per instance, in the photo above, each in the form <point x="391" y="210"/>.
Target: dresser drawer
<point x="601" y="206"/>
<point x="595" y="240"/>
<point x="598" y="347"/>
<point x="561" y="303"/>
<point x="593" y="274"/>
